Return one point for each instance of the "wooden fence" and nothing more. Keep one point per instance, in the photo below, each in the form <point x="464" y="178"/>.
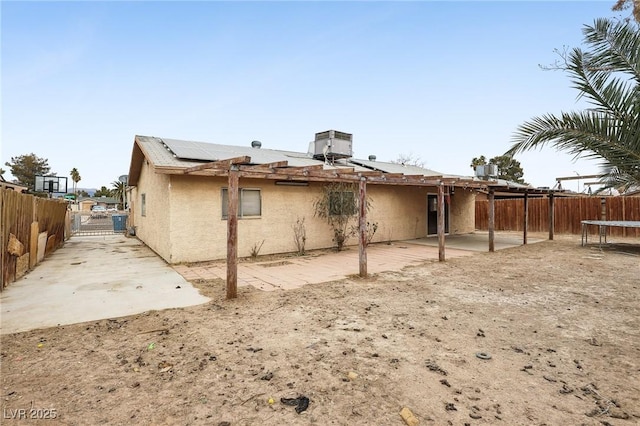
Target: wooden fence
<point x="568" y="213"/>
<point x="30" y="228"/>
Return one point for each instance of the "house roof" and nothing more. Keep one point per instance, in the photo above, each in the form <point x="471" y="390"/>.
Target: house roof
<point x="168" y="154"/>
<point x="173" y="156"/>
<point x="388" y="167"/>
<point x="201" y="151"/>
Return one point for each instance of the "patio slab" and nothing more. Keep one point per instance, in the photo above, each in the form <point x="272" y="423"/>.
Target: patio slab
<point x="294" y="272"/>
<point x="479" y="241"/>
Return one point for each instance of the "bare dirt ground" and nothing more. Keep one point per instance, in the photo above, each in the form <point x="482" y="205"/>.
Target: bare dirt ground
<point x="560" y="323"/>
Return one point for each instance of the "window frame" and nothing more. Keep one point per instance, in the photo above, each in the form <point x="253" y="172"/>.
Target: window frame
<point x="143" y="204"/>
<point x="333" y="208"/>
<point x="224" y="197"/>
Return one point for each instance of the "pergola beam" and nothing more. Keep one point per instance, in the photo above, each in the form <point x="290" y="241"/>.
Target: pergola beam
<point x="578" y="177"/>
<point x="274" y="165"/>
<point x="314" y="173"/>
<point x="222" y="164"/>
<point x="370" y="174"/>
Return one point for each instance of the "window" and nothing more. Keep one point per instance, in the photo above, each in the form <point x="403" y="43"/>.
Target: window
<point x="249" y="203"/>
<point x="342" y="203"/>
<point x="143" y="204"/>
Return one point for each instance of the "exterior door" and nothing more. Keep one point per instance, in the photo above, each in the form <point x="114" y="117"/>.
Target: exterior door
<point x="432" y="215"/>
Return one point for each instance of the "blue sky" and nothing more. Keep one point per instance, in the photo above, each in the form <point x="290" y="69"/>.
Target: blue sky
<point x="442" y="81"/>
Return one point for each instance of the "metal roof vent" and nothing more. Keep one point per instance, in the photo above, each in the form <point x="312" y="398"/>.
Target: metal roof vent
<point x="332" y="145"/>
<point x="256" y="144"/>
<point x="372" y="158"/>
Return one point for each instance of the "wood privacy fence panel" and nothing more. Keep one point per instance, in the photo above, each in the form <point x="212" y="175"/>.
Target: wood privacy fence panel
<point x="51" y="217"/>
<point x="16" y="217"/>
<point x="568" y="214"/>
<point x="623" y="208"/>
<point x="17" y="214"/>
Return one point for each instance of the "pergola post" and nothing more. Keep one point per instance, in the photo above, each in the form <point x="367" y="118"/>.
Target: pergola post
<point x="526" y="218"/>
<point x="232" y="233"/>
<point x="441" y="256"/>
<point x="492" y="220"/>
<point x="551" y="216"/>
<point x="362" y="246"/>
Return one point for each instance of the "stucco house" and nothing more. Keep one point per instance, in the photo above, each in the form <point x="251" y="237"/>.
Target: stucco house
<point x="86" y="203"/>
<point x="12" y="186"/>
<point x="178" y="195"/>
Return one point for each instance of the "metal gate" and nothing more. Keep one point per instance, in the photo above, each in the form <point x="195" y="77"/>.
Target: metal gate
<point x="98" y="223"/>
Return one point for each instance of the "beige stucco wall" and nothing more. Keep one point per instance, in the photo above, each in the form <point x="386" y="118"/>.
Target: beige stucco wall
<point x="85" y="206"/>
<point x="399" y="211"/>
<point x="462" y="211"/>
<point x="153" y="228"/>
<point x="197" y="232"/>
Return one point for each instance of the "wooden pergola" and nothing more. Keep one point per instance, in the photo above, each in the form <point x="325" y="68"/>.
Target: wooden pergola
<point x="241" y="167"/>
<point x="524" y="193"/>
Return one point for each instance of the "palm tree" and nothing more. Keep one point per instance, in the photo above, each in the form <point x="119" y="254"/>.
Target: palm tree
<point x="119" y="189"/>
<point x="608" y="77"/>
<point x="75" y="177"/>
<point x="626" y="4"/>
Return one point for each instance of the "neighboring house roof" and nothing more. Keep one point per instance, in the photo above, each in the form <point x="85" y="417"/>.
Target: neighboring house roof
<point x="506" y="188"/>
<point x="633" y="191"/>
<point x="107" y="200"/>
<point x="10" y="185"/>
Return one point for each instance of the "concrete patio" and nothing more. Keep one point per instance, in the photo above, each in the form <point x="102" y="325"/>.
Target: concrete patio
<point x="293" y="271"/>
<point x="92" y="278"/>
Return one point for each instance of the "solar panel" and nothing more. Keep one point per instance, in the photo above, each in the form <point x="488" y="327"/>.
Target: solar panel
<point x="201" y="151"/>
<point x="192" y="150"/>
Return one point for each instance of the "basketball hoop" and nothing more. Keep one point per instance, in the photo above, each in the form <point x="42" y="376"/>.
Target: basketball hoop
<point x="51" y="184"/>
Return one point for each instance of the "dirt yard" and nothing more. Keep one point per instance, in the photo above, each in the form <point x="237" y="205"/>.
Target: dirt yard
<point x="546" y="334"/>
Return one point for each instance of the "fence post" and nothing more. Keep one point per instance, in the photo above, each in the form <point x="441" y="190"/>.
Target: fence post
<point x="624" y="228"/>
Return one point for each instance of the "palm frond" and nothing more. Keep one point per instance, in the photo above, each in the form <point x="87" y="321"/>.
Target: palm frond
<point x="614" y="46"/>
<point x="603" y="89"/>
<point x="608" y="76"/>
<point x="587" y="134"/>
